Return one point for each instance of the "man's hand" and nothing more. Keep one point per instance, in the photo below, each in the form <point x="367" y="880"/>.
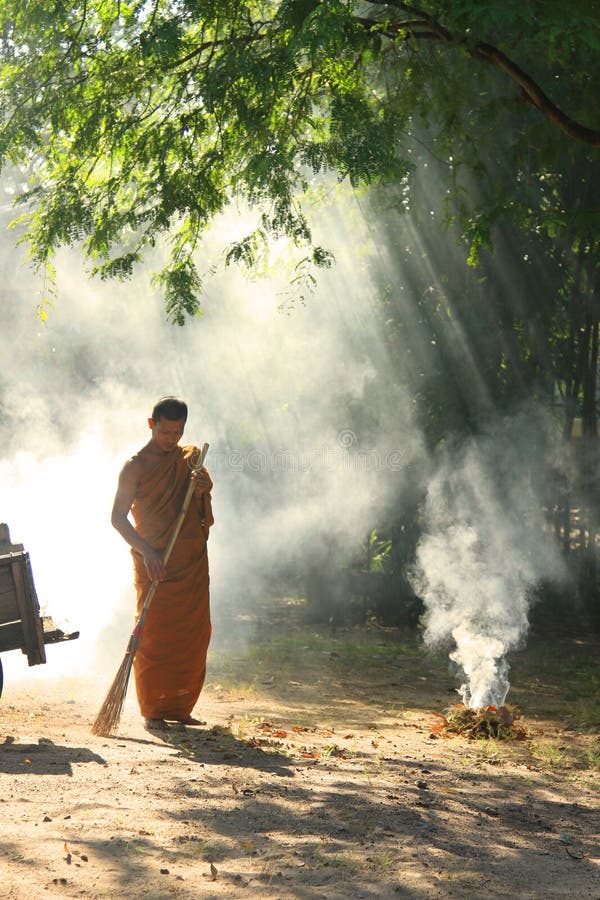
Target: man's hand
<point x="155" y="567"/>
<point x="202" y="482"/>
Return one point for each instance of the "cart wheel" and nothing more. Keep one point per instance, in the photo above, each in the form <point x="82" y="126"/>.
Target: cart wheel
<point x="1" y="678"/>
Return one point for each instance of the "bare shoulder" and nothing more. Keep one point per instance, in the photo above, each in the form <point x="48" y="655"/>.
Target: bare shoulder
<point x="132" y="469"/>
<point x="129" y="478"/>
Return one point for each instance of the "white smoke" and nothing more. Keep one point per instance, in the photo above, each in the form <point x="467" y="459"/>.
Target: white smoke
<point x="486" y="546"/>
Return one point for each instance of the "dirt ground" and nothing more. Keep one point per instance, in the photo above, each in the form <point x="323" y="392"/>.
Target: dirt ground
<point x="317" y="774"/>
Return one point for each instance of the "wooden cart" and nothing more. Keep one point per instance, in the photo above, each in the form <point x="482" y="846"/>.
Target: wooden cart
<point x="22" y="627"/>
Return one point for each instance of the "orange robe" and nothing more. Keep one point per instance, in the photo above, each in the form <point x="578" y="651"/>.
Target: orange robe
<point x="170" y="661"/>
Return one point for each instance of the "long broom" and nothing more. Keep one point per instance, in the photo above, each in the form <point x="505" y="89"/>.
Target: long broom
<point x="107" y="720"/>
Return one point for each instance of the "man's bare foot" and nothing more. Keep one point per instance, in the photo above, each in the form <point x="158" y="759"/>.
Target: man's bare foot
<point x="190" y="720"/>
<point x="155" y="725"/>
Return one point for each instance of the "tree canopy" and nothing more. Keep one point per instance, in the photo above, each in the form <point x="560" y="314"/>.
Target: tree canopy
<point x="142" y="120"/>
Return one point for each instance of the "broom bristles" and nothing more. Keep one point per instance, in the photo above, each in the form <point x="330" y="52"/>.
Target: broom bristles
<point x="107" y="720"/>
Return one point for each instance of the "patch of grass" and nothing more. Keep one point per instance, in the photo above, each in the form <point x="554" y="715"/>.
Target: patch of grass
<point x="352" y="648"/>
<point x="249" y="690"/>
<point x="379" y="861"/>
<point x="487" y="752"/>
<point x="585" y="712"/>
<point x="548" y="755"/>
<point x="348" y="864"/>
<point x="592" y="759"/>
<point x="198" y="847"/>
<point x="348" y="642"/>
<point x="586" y="758"/>
<point x="321" y="657"/>
<point x="245" y="726"/>
<point x="136" y="845"/>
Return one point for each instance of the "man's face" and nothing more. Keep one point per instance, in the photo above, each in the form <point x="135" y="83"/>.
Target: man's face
<point x="166" y="433"/>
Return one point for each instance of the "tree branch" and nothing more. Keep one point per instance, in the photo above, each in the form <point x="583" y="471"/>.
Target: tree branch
<point x="422" y="26"/>
<point x="535" y="94"/>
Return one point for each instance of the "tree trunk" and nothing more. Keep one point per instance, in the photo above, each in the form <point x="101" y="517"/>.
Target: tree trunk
<point x="589" y="487"/>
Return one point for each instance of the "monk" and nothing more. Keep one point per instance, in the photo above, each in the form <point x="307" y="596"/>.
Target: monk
<point x="170" y="662"/>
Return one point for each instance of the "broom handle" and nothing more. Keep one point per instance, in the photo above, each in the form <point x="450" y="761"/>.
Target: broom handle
<point x="137" y="631"/>
<point x="185" y="506"/>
